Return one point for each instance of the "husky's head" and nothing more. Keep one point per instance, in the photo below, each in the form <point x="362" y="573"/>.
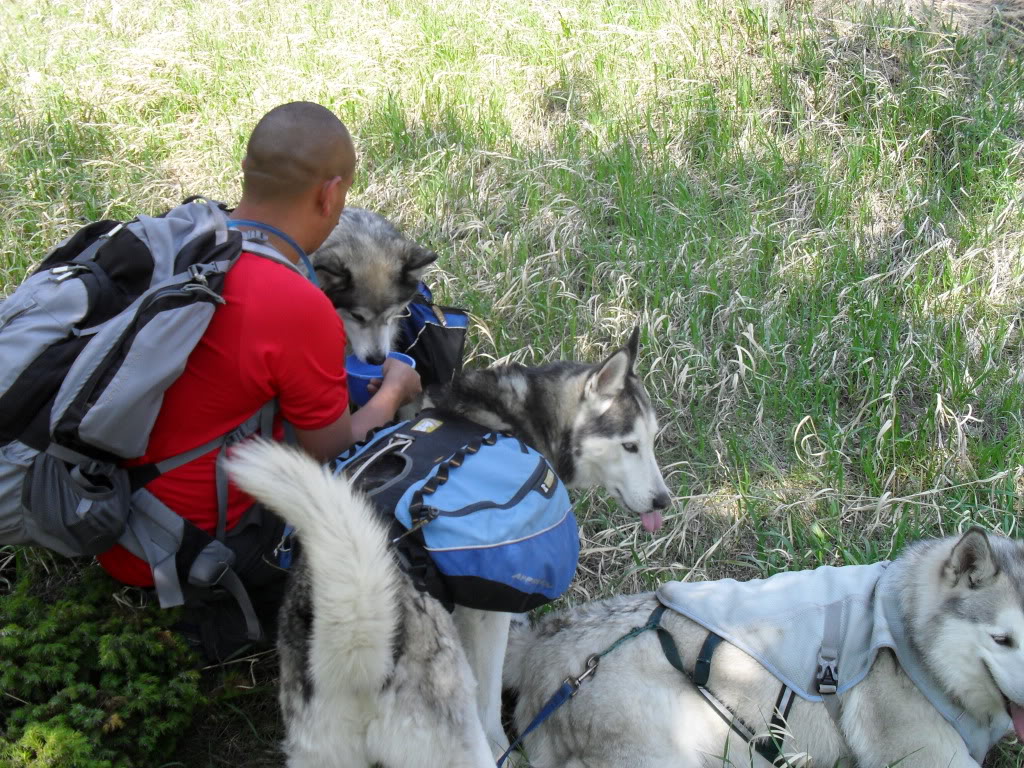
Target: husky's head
<point x="968" y="615"/>
<point x="370" y="271"/>
<point x="612" y="438"/>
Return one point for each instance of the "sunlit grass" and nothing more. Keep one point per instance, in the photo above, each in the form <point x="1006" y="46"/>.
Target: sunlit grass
<point x="814" y="216"/>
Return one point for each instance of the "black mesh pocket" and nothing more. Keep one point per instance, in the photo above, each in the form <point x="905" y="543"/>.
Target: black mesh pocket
<point x="76" y="510"/>
<point x="438" y="349"/>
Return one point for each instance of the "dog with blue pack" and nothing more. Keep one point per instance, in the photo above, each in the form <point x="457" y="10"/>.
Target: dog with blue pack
<point x="373" y="275"/>
<point x="419" y="544"/>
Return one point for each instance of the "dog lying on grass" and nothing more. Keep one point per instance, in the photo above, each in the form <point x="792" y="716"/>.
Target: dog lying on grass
<point x="926" y="655"/>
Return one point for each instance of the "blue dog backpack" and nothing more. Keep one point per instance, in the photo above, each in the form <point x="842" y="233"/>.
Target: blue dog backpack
<point x="478" y="518"/>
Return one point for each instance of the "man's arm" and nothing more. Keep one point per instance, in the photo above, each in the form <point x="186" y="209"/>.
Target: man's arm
<point x="400" y="385"/>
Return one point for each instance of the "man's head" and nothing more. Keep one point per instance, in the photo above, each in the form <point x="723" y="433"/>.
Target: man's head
<point x="299" y="162"/>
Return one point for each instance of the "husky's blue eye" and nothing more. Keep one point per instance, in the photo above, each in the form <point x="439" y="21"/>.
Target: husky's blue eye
<point x="631" y="447"/>
<point x="1004" y="640"/>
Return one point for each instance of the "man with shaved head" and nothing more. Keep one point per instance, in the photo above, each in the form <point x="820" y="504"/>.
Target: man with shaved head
<point x="277" y="337"/>
<point x="299" y="165"/>
<point x="292" y="146"/>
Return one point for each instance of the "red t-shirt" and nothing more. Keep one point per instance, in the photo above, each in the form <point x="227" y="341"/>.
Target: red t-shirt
<point x="277" y="335"/>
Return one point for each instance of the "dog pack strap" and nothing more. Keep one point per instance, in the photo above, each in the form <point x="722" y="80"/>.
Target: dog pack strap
<point x="827" y="674"/>
<point x="668" y="643"/>
<point x="700" y="677"/>
<point x="702" y="669"/>
<point x="770" y="748"/>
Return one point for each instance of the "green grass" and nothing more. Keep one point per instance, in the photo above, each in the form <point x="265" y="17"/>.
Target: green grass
<point x="812" y="214"/>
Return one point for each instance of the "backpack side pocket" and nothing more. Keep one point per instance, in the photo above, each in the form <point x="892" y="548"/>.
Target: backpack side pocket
<point x="76" y="510"/>
<point x="15" y="460"/>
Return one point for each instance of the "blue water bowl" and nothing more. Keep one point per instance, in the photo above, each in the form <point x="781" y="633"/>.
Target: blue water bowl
<point x="360" y="373"/>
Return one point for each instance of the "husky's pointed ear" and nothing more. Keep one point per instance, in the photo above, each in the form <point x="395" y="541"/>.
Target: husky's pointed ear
<point x="334" y="277"/>
<point x="610" y="378"/>
<point x="633" y="346"/>
<point x="971" y="559"/>
<point x="416" y="262"/>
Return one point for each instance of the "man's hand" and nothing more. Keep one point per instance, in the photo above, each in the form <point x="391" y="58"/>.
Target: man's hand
<point x="401" y="381"/>
<point x="400" y="385"/>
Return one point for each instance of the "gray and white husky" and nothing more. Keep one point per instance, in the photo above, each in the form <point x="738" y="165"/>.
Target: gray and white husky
<point x="938" y="678"/>
<point x="373" y="671"/>
<point x="369" y="270"/>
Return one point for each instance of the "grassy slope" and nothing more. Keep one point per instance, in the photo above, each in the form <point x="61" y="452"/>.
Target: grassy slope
<point x="815" y="221"/>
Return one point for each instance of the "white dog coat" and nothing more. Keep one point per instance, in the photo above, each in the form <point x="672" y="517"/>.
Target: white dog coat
<point x="781" y="622"/>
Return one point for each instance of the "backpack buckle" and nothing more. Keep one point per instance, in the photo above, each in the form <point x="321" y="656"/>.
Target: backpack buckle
<point x="199" y="272"/>
<point x="196" y="274"/>
<point x="827" y="675"/>
<point x="429" y="515"/>
<point x="199" y="284"/>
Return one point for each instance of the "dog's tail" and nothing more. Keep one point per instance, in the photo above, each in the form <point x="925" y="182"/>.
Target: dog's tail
<point x="354" y="576"/>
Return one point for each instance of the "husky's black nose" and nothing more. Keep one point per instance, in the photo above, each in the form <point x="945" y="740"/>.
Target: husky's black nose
<point x="661" y="501"/>
<point x="375" y="359"/>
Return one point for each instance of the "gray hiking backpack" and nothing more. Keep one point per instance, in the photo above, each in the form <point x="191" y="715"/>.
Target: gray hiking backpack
<point x="88" y="344"/>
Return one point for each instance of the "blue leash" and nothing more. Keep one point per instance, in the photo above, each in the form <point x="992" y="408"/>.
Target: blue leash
<point x="287" y="238"/>
<point x="571" y="685"/>
<point x="565" y="692"/>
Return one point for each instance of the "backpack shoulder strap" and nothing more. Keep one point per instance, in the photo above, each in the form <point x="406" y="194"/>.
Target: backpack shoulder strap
<point x="253" y="246"/>
<point x="173" y="547"/>
<point x="177" y="550"/>
<point x="255" y="237"/>
<point x="260" y="422"/>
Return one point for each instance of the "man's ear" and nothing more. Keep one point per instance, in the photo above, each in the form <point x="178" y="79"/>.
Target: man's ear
<point x="331" y="193"/>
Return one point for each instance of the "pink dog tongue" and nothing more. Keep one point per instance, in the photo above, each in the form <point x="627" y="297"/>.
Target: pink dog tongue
<point x="1017" y="713"/>
<point x="651" y="521"/>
